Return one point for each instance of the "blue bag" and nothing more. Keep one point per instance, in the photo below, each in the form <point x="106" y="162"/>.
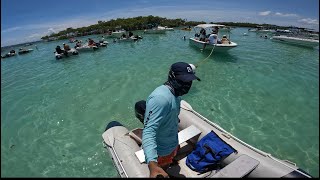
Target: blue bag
<point x="208" y="153"/>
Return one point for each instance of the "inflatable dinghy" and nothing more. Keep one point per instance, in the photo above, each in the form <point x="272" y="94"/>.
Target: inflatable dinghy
<point x="124" y="147"/>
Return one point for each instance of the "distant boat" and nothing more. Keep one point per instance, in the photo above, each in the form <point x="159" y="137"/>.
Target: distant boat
<point x="261" y="29"/>
<point x="85" y="48"/>
<point x="129" y="39"/>
<point x="186" y="28"/>
<point x="296" y="41"/>
<point x="252" y="30"/>
<point x="117" y="34"/>
<point x="195" y="41"/>
<point x="69" y="53"/>
<point x="10" y="54"/>
<point x="157" y="30"/>
<point x="24" y="51"/>
<point x="168" y="29"/>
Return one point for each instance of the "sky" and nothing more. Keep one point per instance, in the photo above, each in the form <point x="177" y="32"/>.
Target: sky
<point x="29" y="20"/>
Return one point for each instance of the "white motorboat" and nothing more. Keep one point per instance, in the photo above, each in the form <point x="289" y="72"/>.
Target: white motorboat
<point x="252" y="30"/>
<point x="266" y="31"/>
<point x="24" y="51"/>
<point x="166" y="28"/>
<point x="296" y="41"/>
<point x="103" y="43"/>
<point x="262" y="29"/>
<point x="70" y="53"/>
<point x="125" y="151"/>
<point x="223" y="47"/>
<point x="117" y="34"/>
<point x="129" y="39"/>
<point x="9" y="54"/>
<point x="85" y="48"/>
<point x="187" y="28"/>
<point x="157" y="30"/>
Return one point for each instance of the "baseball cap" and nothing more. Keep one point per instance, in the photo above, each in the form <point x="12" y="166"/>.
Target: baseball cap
<point x="184" y="72"/>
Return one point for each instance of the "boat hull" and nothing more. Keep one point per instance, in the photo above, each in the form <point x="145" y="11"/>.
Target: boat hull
<point x="122" y="146"/>
<point x="8" y="55"/>
<point x="86" y="48"/>
<point x="25" y="51"/>
<point x="130" y="39"/>
<point x="208" y="47"/>
<point x="296" y="41"/>
<point x="70" y="53"/>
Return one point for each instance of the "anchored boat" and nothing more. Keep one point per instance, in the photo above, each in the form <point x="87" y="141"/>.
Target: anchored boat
<point x="205" y="45"/>
<point x="296" y="41"/>
<point x="85" y="48"/>
<point x="24" y="51"/>
<point x="155" y="30"/>
<point x="72" y="51"/>
<point x="127" y="155"/>
<point x="9" y="54"/>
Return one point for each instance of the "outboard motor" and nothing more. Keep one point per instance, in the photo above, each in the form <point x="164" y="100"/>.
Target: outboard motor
<point x="140" y="109"/>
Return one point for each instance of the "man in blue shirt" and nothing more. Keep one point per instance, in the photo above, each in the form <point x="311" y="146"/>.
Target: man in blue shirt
<point x="160" y="133"/>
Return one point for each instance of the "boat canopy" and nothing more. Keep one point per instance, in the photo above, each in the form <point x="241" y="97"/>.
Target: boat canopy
<point x="209" y="25"/>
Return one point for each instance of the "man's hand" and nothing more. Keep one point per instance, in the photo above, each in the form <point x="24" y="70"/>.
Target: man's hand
<point x="155" y="170"/>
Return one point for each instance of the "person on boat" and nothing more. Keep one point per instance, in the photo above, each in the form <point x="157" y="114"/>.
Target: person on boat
<point x="213" y="39"/>
<point x="12" y="51"/>
<point x="91" y="42"/>
<point x="215" y="30"/>
<point x="202" y="34"/>
<point x="160" y="133"/>
<point x="78" y="44"/>
<point x="66" y="47"/>
<point x="102" y="39"/>
<point x="130" y="34"/>
<point x="124" y="35"/>
<point x="225" y="40"/>
<point x="60" y="51"/>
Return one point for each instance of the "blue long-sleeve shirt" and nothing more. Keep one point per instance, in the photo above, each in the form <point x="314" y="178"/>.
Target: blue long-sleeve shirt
<point x="160" y="133"/>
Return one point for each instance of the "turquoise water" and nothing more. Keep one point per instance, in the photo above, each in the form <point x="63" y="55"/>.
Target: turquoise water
<point x="53" y="112"/>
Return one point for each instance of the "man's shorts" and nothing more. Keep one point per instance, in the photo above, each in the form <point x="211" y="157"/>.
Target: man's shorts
<point x="166" y="160"/>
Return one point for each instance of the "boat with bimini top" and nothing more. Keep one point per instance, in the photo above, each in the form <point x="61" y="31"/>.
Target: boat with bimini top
<point x="202" y="39"/>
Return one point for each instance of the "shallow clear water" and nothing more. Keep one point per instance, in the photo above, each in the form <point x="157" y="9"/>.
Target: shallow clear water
<point x="53" y="112"/>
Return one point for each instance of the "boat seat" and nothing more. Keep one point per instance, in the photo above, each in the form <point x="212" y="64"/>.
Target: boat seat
<point x="183" y="136"/>
<point x="238" y="168"/>
<point x="136" y="134"/>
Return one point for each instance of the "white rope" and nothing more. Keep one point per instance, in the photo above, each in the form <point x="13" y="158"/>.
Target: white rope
<point x="197" y="65"/>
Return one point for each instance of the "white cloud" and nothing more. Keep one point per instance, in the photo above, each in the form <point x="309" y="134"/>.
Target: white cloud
<point x="34" y="35"/>
<point x="51" y="31"/>
<point x="265" y="13"/>
<point x="285" y="15"/>
<point x="10" y="29"/>
<point x="309" y="21"/>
